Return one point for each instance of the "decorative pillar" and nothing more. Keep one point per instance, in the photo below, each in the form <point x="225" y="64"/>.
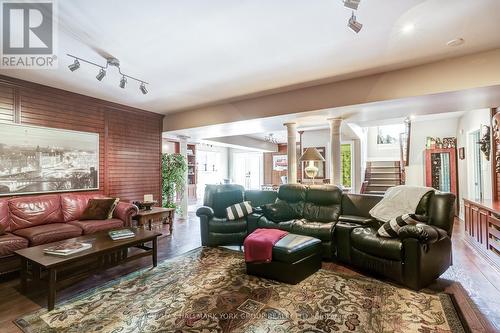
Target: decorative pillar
<point x="183" y="152"/>
<point x="291" y="149"/>
<point x="335" y="160"/>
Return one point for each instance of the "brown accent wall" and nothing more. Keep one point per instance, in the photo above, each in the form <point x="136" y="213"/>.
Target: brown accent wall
<point x="129" y="138"/>
<point x="272" y="177"/>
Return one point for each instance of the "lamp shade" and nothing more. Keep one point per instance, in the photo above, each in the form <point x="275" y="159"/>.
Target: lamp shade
<point x="311" y="154"/>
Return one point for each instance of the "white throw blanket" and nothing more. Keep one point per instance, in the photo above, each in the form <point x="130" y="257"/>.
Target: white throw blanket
<point x="399" y="200"/>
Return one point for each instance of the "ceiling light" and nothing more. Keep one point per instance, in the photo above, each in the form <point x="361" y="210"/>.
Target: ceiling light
<point x="110" y="62"/>
<point x="74" y="66"/>
<point x="456" y="42"/>
<point x="354" y="24"/>
<point x="123" y="82"/>
<point x="270" y="138"/>
<point x="407" y="28"/>
<point x="143" y="89"/>
<point x="353" y="4"/>
<point x="101" y="75"/>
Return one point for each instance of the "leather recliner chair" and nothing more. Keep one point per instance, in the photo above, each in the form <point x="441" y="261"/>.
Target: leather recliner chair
<point x="419" y="255"/>
<point x="215" y="228"/>
<point x="314" y="210"/>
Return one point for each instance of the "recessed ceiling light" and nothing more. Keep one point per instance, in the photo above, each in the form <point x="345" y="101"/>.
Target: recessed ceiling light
<point x="456" y="42"/>
<point x="408" y="28"/>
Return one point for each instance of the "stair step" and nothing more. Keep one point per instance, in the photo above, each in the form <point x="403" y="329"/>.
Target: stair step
<point x="375" y="192"/>
<point x="380" y="185"/>
<point x="384" y="172"/>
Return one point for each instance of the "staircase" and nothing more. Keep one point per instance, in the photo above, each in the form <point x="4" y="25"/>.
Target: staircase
<point x="380" y="175"/>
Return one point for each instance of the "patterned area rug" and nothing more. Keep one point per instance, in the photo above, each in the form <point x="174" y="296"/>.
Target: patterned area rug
<point x="207" y="290"/>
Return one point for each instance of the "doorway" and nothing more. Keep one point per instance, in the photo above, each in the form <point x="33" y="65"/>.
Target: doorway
<point x="247" y="169"/>
<point x="476" y="167"/>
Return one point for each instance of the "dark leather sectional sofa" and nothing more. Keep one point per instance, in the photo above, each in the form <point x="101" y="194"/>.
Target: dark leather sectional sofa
<point x="342" y="222"/>
<point x="34" y="220"/>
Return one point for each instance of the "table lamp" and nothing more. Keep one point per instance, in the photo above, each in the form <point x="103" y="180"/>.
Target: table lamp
<point x="311" y="155"/>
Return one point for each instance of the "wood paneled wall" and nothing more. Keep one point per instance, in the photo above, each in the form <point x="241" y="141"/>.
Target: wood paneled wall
<point x="129" y="138"/>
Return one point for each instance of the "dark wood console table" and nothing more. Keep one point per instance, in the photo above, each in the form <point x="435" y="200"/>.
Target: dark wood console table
<point x="482" y="227"/>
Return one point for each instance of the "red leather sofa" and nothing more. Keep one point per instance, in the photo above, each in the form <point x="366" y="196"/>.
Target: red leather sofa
<point x="35" y="220"/>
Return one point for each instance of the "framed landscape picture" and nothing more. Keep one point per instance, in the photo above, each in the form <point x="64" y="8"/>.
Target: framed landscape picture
<point x="280" y="162"/>
<point x="43" y="160"/>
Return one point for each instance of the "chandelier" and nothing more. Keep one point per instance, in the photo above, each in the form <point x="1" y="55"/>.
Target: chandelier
<point x="270" y="138"/>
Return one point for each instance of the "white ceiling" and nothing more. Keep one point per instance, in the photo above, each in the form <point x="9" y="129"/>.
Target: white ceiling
<point x="196" y="52"/>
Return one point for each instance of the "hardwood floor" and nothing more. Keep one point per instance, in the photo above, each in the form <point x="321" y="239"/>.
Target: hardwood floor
<point x="480" y="281"/>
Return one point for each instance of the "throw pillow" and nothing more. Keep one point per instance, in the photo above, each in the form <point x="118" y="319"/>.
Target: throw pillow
<point x="391" y="228"/>
<point x="239" y="210"/>
<point x="2" y="229"/>
<point x="98" y="209"/>
<point x="112" y="210"/>
<point x="222" y="200"/>
<point x="279" y="211"/>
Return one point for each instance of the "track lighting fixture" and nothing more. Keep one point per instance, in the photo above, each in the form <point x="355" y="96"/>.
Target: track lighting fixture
<point x="102" y="71"/>
<point x="354" y="24"/>
<point x="352" y="4"/>
<point x="74" y="66"/>
<point x="101" y="75"/>
<point x="123" y="82"/>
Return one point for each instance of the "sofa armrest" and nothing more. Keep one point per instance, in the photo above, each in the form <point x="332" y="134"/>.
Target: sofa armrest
<point x="205" y="211"/>
<point x="424" y="233"/>
<point x="125" y="211"/>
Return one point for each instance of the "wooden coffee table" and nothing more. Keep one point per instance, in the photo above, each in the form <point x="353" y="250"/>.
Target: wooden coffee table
<point x="57" y="271"/>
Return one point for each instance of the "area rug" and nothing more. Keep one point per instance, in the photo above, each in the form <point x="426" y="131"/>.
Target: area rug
<point x="207" y="290"/>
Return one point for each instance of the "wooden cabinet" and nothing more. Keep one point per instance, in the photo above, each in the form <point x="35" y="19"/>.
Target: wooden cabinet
<point x="482" y="227"/>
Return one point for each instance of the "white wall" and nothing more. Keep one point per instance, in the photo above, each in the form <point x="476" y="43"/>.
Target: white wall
<point x="470" y="122"/>
<point x="376" y="152"/>
<point x="420" y="130"/>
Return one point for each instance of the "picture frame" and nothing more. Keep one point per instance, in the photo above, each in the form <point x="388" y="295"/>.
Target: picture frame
<point x="461" y="153"/>
<point x="36" y="160"/>
<point x="280" y="162"/>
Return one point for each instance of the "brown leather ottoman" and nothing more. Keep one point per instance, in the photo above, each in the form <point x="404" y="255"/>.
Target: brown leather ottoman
<point x="295" y="257"/>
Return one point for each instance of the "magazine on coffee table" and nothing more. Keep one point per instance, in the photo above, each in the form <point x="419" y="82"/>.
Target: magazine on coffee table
<point x="67" y="248"/>
<point x="121" y="234"/>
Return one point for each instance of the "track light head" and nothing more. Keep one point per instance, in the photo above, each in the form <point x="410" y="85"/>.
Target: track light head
<point x="354" y="24"/>
<point x="143" y="89"/>
<point x="74" y="66"/>
<point x="101" y="75"/>
<point x="123" y="82"/>
<point x="352" y="4"/>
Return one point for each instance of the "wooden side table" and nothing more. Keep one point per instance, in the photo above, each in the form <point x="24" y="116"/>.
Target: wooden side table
<point x="155" y="214"/>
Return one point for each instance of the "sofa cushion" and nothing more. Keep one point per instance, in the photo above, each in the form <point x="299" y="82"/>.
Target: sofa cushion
<point x="4" y="216"/>
<point x="239" y="210"/>
<point x="26" y="212"/>
<point x="10" y="243"/>
<point x="48" y="233"/>
<point x="73" y="205"/>
<point x="320" y="230"/>
<point x="367" y="241"/>
<point x="93" y="226"/>
<point x="222" y="200"/>
<point x="279" y="212"/>
<point x="258" y="198"/>
<point x="323" y="203"/>
<point x="225" y="226"/>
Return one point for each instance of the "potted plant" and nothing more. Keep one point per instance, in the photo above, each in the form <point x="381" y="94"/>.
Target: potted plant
<point x="174" y="167"/>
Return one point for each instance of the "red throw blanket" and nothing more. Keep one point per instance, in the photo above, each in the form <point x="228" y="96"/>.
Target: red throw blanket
<point x="259" y="244"/>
